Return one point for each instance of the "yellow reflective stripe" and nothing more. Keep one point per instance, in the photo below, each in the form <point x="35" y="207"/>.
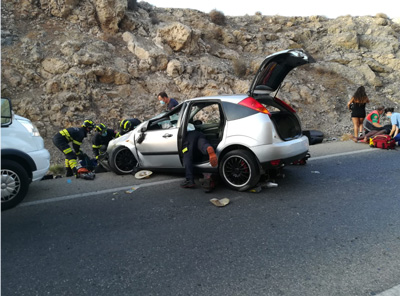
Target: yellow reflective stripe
<point x="96" y="147"/>
<point x="68" y="150"/>
<point x="67" y="163"/>
<point x="72" y="163"/>
<point x="66" y="134"/>
<point x="185" y="150"/>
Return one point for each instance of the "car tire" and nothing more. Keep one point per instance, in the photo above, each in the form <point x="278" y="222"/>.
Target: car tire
<point x="14" y="184"/>
<point x="122" y="161"/>
<point x="239" y="170"/>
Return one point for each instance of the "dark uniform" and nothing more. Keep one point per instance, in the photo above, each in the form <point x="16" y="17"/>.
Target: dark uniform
<point x="100" y="141"/>
<point x="195" y="141"/>
<point x="62" y="139"/>
<point x="128" y="125"/>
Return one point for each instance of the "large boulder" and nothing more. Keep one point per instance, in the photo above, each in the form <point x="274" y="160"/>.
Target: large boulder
<point x="110" y="13"/>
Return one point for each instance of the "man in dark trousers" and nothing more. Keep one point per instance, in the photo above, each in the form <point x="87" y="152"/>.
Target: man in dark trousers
<point x="165" y="100"/>
<point x="195" y="141"/>
<point x="75" y="135"/>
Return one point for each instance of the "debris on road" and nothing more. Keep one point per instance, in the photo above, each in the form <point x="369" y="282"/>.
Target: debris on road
<point x="219" y="202"/>
<point x="143" y="174"/>
<point x="130" y="190"/>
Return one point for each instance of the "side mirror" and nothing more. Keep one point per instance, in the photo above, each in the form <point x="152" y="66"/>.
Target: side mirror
<point x="6" y="113"/>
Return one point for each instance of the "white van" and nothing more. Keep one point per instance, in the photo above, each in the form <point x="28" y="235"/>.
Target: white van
<point x="23" y="156"/>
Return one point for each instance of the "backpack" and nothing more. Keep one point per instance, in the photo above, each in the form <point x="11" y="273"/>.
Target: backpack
<point x="382" y="141"/>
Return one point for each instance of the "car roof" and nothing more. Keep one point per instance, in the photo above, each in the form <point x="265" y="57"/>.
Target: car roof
<point x="236" y="98"/>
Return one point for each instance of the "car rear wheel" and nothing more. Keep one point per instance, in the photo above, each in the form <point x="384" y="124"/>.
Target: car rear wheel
<point x="122" y="161"/>
<point x="14" y="184"/>
<point x="239" y="170"/>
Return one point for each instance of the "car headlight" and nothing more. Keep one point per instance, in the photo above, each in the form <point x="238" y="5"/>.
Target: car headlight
<point x="31" y="128"/>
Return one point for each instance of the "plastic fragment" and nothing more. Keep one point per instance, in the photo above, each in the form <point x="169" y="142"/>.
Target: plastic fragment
<point x="271" y="185"/>
<point x="256" y="189"/>
<point x="219" y="202"/>
<point x="130" y="190"/>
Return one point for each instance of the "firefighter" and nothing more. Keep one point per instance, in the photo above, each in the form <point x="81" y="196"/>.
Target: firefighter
<point x="75" y="135"/>
<point x="101" y="139"/>
<point x="128" y="125"/>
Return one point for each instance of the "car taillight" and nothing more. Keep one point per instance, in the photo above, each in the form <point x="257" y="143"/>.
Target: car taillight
<point x="287" y="106"/>
<point x="275" y="162"/>
<point x="254" y="104"/>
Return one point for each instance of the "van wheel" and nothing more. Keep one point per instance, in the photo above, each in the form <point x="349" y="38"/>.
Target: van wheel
<point x="239" y="170"/>
<point x="14" y="184"/>
<point x="122" y="161"/>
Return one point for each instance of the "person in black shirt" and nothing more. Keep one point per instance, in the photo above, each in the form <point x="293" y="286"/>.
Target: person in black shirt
<point x="357" y="105"/>
<point x="75" y="135"/>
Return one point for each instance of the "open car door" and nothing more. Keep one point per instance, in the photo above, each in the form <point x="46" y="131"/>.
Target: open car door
<point x="158" y="144"/>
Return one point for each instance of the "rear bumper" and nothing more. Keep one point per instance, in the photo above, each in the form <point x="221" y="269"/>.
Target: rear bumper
<point x="286" y="152"/>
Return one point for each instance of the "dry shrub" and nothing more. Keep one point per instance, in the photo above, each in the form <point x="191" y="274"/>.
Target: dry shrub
<point x="154" y="19"/>
<point x="239" y="67"/>
<point x="217" y="17"/>
<point x="218" y="34"/>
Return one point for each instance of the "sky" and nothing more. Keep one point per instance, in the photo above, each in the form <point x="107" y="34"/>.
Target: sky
<point x="330" y="9"/>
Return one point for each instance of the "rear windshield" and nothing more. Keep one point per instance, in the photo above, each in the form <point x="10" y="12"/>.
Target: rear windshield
<point x="235" y="111"/>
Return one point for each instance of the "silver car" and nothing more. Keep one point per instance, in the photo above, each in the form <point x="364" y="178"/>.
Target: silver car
<point x="251" y="133"/>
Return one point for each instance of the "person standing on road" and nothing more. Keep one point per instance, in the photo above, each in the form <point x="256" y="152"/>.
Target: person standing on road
<point x="165" y="100"/>
<point x="357" y="107"/>
<point x="75" y="135"/>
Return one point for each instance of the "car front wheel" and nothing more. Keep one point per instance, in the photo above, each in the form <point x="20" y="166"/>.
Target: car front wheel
<point x="122" y="161"/>
<point x="239" y="170"/>
<point x="14" y="184"/>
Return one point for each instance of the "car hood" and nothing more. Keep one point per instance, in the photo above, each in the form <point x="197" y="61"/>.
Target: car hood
<point x="274" y="69"/>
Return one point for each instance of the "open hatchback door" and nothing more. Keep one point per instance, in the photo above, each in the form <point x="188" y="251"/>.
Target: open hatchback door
<point x="274" y="69"/>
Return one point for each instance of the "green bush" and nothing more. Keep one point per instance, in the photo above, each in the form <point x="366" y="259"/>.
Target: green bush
<point x="57" y="169"/>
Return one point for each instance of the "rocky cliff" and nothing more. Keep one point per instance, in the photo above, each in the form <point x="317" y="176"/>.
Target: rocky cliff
<point x="67" y="60"/>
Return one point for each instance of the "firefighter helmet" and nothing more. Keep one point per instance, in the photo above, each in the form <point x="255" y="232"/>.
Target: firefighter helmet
<point x="88" y="124"/>
<point x="125" y="126"/>
<point x="102" y="129"/>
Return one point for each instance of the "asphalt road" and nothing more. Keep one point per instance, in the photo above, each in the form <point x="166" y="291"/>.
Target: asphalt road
<point x="331" y="227"/>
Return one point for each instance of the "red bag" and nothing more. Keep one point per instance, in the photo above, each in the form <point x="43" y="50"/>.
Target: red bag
<point x="383" y="142"/>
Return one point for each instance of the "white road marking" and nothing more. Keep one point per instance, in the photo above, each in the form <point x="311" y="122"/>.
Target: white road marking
<point x="79" y="195"/>
<point x="395" y="291"/>
<point x="341" y="154"/>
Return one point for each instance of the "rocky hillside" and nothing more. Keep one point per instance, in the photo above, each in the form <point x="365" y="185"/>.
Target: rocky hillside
<point x="67" y="60"/>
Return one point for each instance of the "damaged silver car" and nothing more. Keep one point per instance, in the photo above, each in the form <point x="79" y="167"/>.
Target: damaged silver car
<point x="251" y="133"/>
